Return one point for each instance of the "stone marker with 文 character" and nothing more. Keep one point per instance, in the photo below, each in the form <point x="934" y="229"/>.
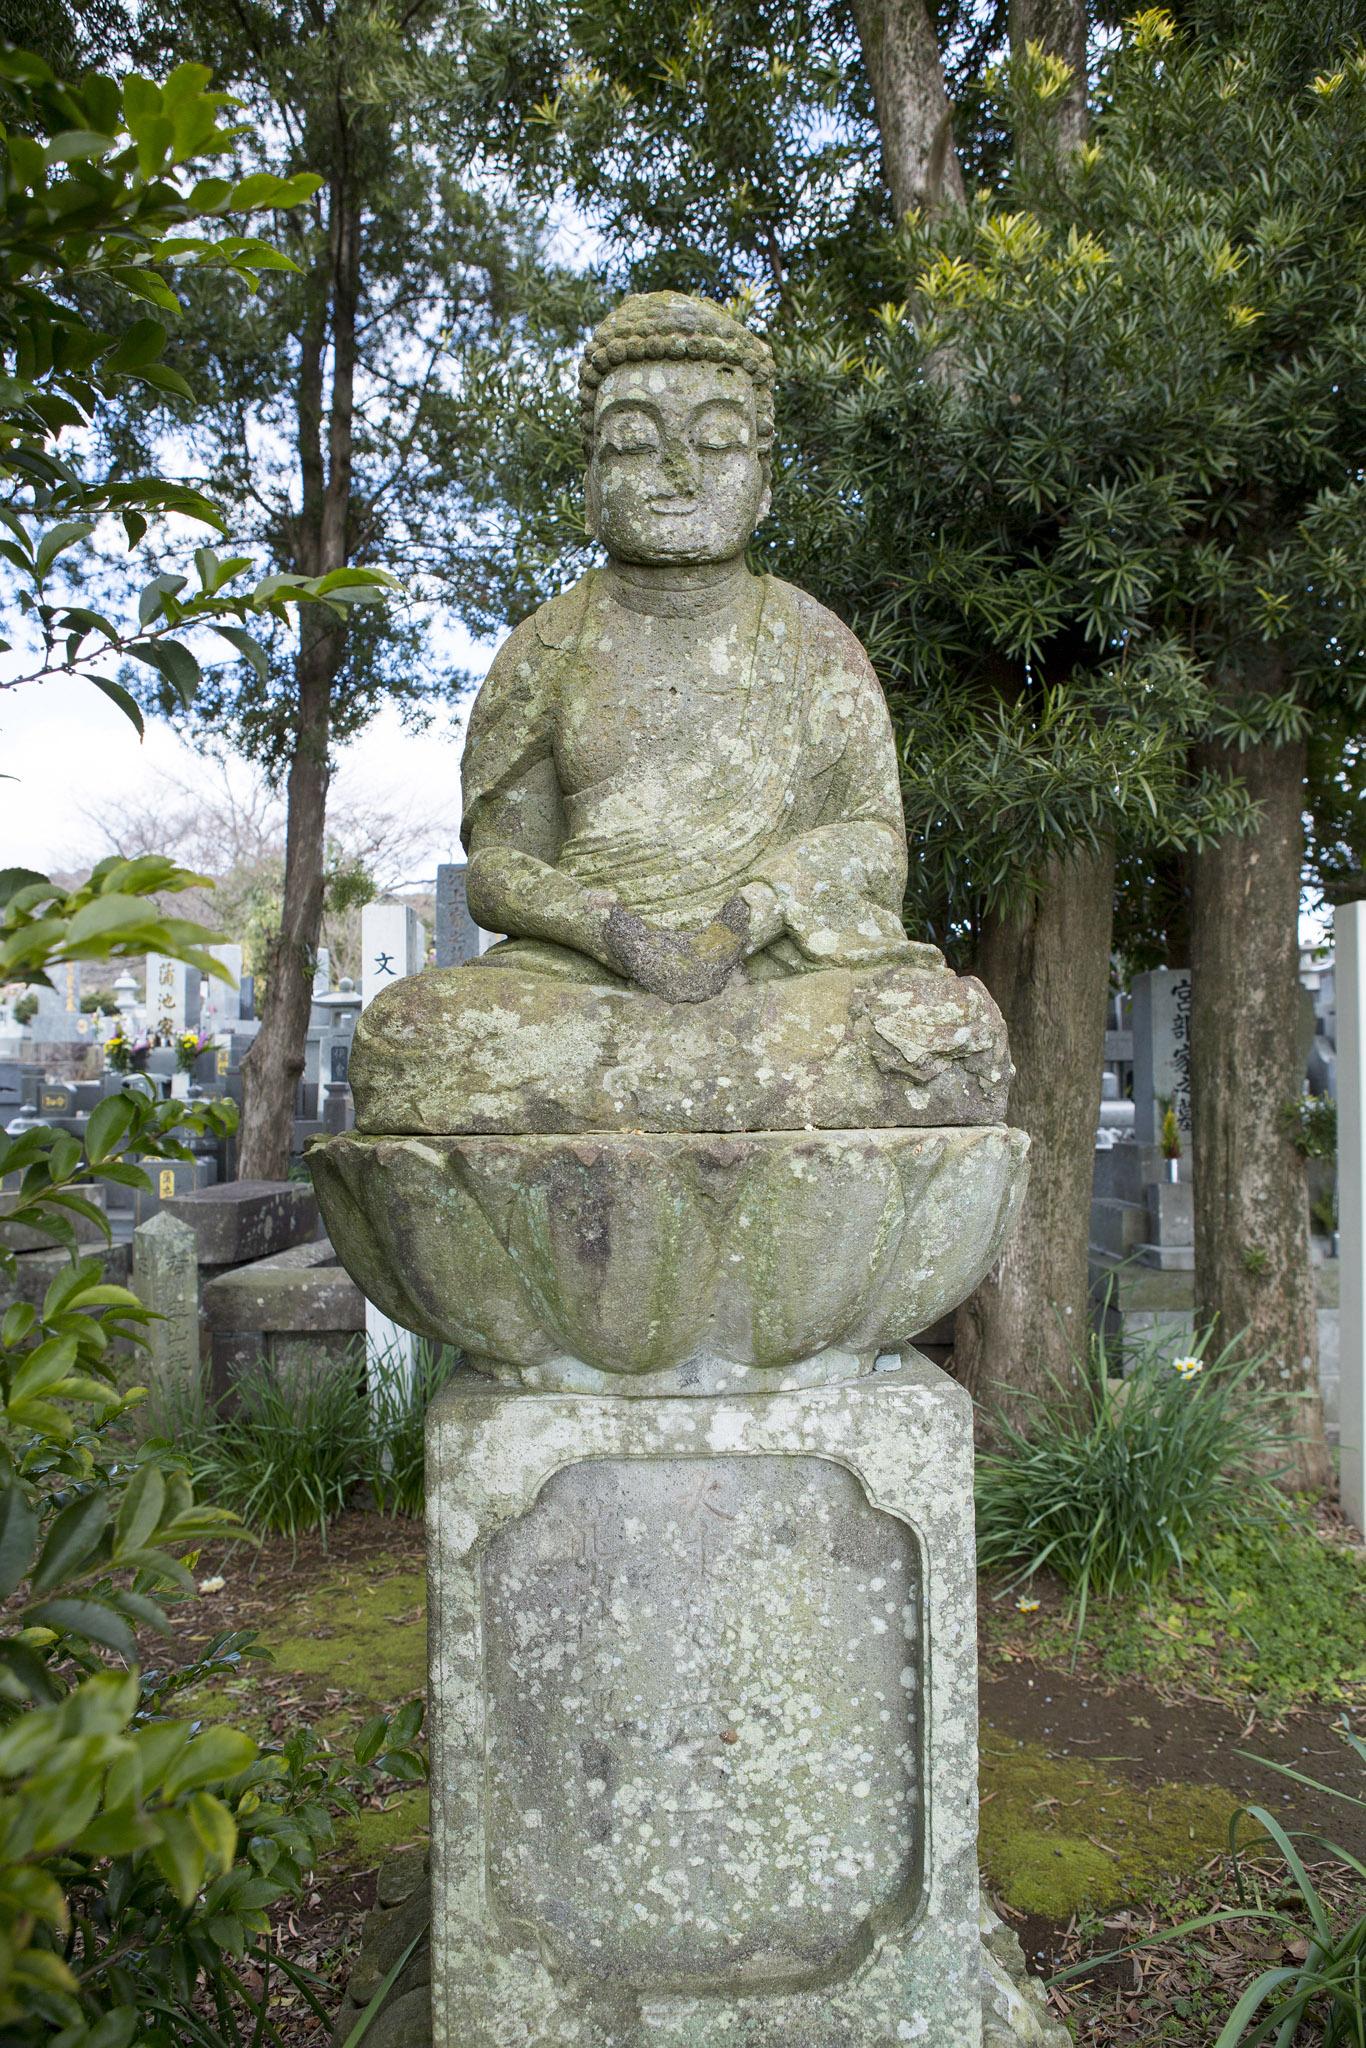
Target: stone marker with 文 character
<point x="681" y="1166"/>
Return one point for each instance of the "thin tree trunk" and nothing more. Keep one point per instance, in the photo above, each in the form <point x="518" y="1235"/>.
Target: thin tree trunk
<point x="1026" y="1325"/>
<point x="1252" y="1267"/>
<point x="275" y="1061"/>
<point x="914" y="116"/>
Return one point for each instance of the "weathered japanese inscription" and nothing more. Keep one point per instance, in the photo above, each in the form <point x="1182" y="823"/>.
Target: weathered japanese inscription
<point x="703" y="1703"/>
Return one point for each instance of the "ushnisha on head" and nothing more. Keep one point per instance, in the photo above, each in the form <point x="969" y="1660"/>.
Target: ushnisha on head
<point x="677" y="409"/>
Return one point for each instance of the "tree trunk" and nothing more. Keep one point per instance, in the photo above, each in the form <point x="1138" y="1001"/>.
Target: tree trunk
<point x="1060" y="28"/>
<point x="1252" y="1269"/>
<point x="1026" y="1326"/>
<point x="914" y="117"/>
<point x="275" y="1061"/>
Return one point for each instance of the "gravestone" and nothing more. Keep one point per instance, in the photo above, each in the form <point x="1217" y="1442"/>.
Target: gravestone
<point x="172" y="997"/>
<point x="59" y="1020"/>
<point x="1349" y="929"/>
<point x="166" y="1280"/>
<point x="681" y="1170"/>
<point x="458" y="938"/>
<point x="169" y="1178"/>
<point x="221" y="1002"/>
<point x="393" y="946"/>
<point x="1162" y="1052"/>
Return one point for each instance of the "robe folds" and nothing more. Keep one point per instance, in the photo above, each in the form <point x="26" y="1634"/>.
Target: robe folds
<point x="782" y="770"/>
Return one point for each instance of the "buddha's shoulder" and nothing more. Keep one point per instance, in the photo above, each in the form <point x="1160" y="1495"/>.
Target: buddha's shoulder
<point x="533" y="643"/>
<point x="826" y="635"/>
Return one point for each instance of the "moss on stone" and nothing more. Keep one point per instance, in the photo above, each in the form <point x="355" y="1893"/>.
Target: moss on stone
<point x="1060" y="1836"/>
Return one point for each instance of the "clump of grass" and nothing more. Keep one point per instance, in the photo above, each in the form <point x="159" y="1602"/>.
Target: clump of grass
<point x="291" y="1446"/>
<point x="399" y="1398"/>
<point x="1119" y="1482"/>
<point x="289" y="1449"/>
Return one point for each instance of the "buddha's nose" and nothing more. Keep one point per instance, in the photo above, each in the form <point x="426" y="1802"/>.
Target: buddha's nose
<point x="681" y="468"/>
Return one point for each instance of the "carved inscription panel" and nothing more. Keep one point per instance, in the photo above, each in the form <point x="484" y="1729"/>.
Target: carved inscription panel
<point x="703" y="1698"/>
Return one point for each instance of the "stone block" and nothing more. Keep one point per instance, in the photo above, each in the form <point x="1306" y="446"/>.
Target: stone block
<point x="275" y="1295"/>
<point x="703" y="1717"/>
<point x="34" y="1272"/>
<point x="166" y="1280"/>
<point x="1121" y="1173"/>
<point x="245" y="1220"/>
<point x="1169" y="1258"/>
<point x="291" y="1311"/>
<point x="1118" y="1228"/>
<point x="1171" y="1212"/>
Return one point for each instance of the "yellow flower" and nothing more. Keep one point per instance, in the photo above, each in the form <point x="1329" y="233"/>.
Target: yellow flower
<point x="1027" y="1606"/>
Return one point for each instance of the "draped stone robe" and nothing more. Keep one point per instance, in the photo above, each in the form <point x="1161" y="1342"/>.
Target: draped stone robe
<point x="665" y="764"/>
<point x="764" y="754"/>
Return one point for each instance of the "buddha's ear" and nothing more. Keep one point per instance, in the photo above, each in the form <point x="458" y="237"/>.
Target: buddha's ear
<point x="592" y="500"/>
<point x="764" y="503"/>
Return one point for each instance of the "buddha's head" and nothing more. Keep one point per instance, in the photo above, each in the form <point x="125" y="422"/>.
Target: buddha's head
<point x="677" y="409"/>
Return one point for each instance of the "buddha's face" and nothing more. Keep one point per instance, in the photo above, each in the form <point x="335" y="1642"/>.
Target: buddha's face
<point x="675" y="474"/>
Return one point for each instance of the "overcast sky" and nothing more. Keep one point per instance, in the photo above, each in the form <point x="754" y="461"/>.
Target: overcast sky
<point x="72" y="753"/>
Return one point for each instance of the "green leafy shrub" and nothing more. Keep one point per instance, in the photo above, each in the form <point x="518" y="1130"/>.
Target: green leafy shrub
<point x="1312" y="1121"/>
<point x="1118" y="1484"/>
<point x="139" y="1854"/>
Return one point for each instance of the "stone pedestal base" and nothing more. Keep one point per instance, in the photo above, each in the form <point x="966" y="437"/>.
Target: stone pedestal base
<point x="703" y="1717"/>
<point x="1014" y="2014"/>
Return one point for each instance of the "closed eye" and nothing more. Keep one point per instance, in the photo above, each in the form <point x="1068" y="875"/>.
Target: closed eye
<point x="719" y="427"/>
<point x="629" y="433"/>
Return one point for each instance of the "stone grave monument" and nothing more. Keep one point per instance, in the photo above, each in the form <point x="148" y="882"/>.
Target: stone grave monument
<point x="457" y="937"/>
<point x="681" y="1166"/>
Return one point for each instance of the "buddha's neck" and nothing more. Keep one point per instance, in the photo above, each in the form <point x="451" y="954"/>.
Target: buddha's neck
<point x="677" y="590"/>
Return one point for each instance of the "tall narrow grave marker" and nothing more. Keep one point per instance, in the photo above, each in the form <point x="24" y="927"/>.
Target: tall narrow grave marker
<point x="1349" y="925"/>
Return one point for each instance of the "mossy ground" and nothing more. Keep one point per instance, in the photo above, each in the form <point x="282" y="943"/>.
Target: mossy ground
<point x="1060" y="1837"/>
<point x="1276" y="1620"/>
<point x="347" y="1639"/>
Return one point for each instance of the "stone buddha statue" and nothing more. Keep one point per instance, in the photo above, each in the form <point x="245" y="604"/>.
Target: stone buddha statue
<point x="682" y="807"/>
